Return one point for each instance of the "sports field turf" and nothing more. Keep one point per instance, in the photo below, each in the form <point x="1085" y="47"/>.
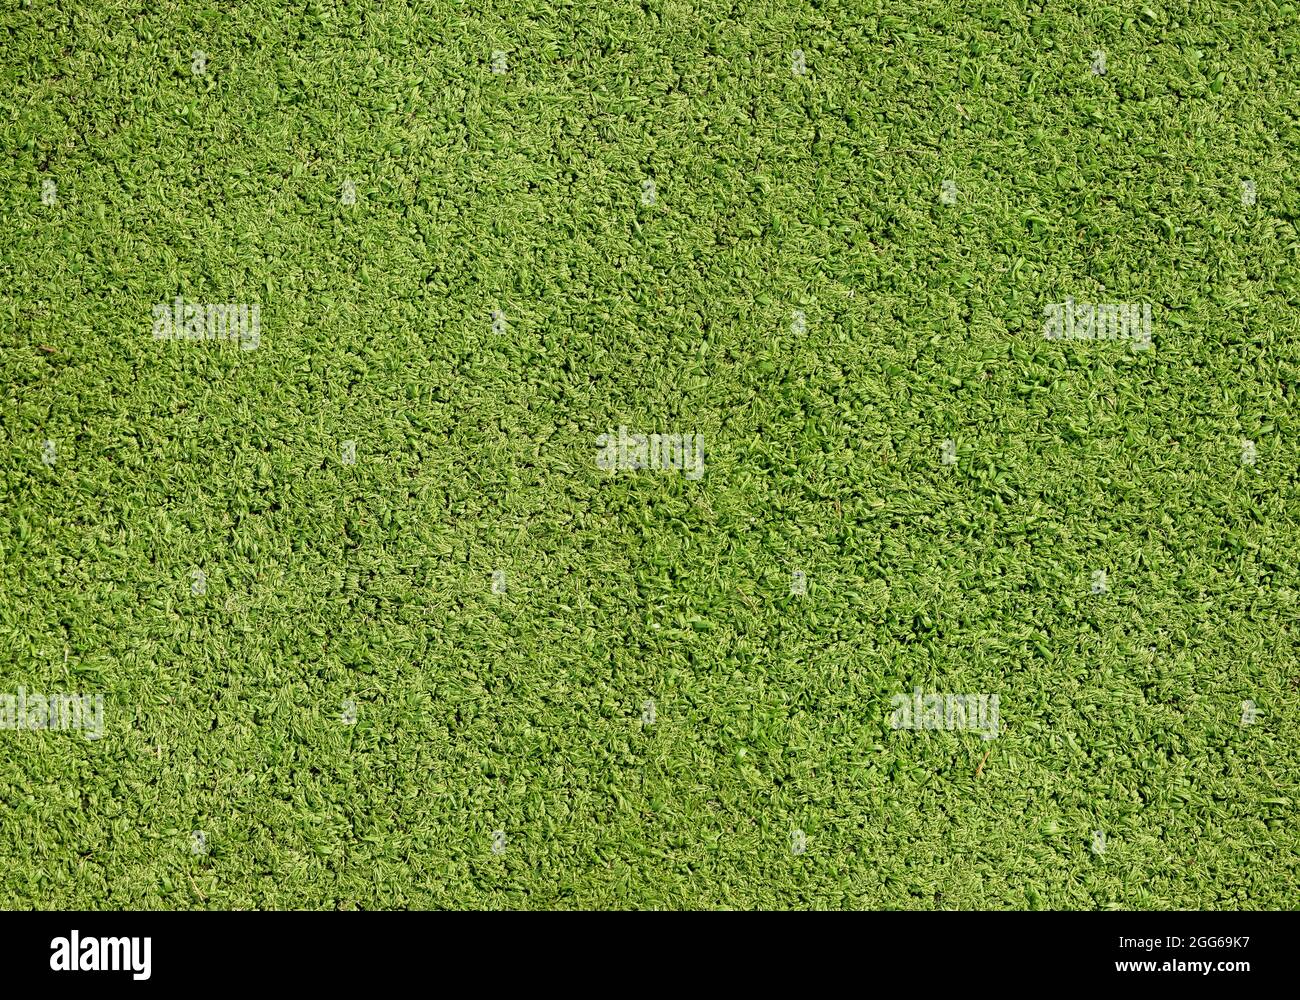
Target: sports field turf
<point x="372" y="625"/>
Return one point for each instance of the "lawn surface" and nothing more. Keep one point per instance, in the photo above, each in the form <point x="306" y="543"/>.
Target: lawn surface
<point x="506" y="288"/>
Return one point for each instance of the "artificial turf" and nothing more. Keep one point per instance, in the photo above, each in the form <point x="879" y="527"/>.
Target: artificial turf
<point x="506" y="287"/>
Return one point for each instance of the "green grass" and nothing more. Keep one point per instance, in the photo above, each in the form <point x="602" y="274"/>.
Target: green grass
<point x="522" y="711"/>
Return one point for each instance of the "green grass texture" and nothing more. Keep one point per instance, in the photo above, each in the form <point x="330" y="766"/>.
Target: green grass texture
<point x="374" y="628"/>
